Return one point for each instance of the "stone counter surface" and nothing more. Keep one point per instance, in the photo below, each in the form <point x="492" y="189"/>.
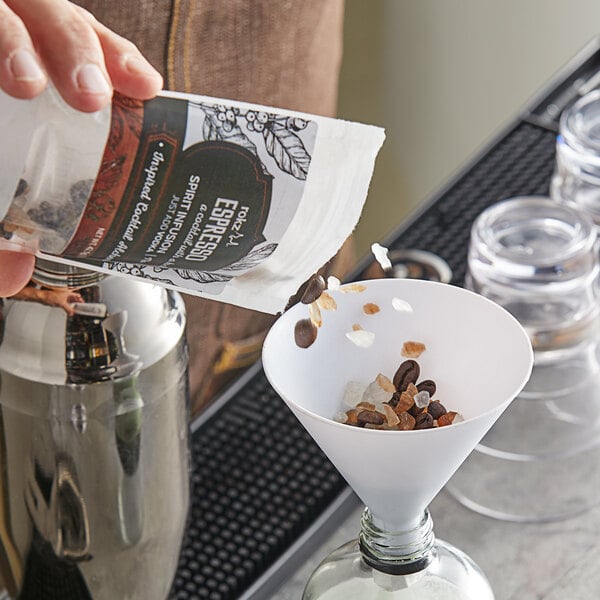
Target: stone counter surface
<point x="537" y="561"/>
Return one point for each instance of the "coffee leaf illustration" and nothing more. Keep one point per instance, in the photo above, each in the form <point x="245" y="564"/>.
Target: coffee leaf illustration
<point x="287" y="150"/>
<point x="253" y="258"/>
<point x="199" y="276"/>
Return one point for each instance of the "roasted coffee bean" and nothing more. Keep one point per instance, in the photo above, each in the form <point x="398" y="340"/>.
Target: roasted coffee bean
<point x="393" y="402"/>
<point x="408" y="372"/>
<point x="436" y="409"/>
<point x="21" y="187"/>
<point x="414" y="410"/>
<point x="423" y="421"/>
<point x="427" y="385"/>
<point x="305" y="333"/>
<point x="314" y="288"/>
<point x="369" y="416"/>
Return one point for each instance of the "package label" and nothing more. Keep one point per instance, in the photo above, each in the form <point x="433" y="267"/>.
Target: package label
<point x="193" y="190"/>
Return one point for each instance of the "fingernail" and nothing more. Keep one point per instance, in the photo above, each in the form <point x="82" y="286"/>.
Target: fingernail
<point x="140" y="66"/>
<point x="24" y="66"/>
<point x="90" y="79"/>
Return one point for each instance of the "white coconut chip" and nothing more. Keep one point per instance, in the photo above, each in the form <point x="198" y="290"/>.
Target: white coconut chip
<point x="381" y="256"/>
<point x="333" y="283"/>
<point x="353" y="393"/>
<point x="401" y="305"/>
<point x="361" y="337"/>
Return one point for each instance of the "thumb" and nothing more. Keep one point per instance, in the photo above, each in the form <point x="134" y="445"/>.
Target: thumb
<point x="16" y="269"/>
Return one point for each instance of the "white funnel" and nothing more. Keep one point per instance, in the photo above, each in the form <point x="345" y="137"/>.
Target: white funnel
<point x="477" y="353"/>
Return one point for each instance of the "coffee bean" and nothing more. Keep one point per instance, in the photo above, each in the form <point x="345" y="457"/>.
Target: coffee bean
<point x="414" y="410"/>
<point x="305" y="333"/>
<point x="407" y="373"/>
<point x="393" y="402"/>
<point x="436" y="409"/>
<point x="369" y="416"/>
<point x="427" y="385"/>
<point x="314" y="288"/>
<point x="423" y="421"/>
<point x="21" y="187"/>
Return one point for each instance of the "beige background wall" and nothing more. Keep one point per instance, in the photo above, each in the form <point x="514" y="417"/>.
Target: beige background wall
<point x="442" y="76"/>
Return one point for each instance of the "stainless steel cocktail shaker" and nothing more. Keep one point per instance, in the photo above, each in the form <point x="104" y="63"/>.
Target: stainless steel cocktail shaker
<point x="93" y="440"/>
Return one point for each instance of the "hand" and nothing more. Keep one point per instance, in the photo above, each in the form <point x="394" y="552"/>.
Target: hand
<point x="61" y="298"/>
<point x="86" y="61"/>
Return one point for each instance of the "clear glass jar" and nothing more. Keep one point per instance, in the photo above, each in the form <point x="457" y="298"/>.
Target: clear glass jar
<point x="577" y="174"/>
<point x="541" y="460"/>
<point x="47" y="177"/>
<point x="408" y="565"/>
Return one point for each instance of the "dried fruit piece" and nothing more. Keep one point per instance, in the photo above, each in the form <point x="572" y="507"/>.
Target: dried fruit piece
<point x="327" y="302"/>
<point x="370" y="308"/>
<point x="447" y="418"/>
<point x="315" y="314"/>
<point x="405" y="402"/>
<point x="406" y="422"/>
<point x="385" y="383"/>
<point x="366" y="405"/>
<point x="408" y="372"/>
<point x="352" y="288"/>
<point x="390" y="416"/>
<point x="305" y="333"/>
<point x="412" y="349"/>
<point x="352" y="417"/>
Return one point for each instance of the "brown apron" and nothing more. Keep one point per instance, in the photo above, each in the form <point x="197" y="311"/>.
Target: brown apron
<point x="282" y="53"/>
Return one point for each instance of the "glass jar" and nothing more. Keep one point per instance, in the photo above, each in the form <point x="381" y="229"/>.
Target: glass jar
<point x="577" y="173"/>
<point x="541" y="460"/>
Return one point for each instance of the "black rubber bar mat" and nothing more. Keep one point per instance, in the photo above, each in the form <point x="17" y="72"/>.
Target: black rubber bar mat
<point x="259" y="482"/>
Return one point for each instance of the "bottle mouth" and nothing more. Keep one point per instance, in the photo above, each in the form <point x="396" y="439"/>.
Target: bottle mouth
<point x="59" y="275"/>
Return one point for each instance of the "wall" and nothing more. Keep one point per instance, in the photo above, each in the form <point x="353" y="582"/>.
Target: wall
<point x="442" y="76"/>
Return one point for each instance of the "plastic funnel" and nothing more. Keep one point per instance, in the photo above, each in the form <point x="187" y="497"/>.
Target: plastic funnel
<point x="477" y="353"/>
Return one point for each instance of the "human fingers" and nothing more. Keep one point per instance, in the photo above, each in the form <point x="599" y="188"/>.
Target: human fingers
<point x="69" y="49"/>
<point x="16" y="269"/>
<point x="130" y="73"/>
<point x="21" y="74"/>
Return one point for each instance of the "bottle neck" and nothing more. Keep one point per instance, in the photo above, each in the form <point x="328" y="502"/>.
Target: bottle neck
<point x="396" y="552"/>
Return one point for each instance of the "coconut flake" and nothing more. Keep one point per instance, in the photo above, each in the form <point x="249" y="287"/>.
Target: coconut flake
<point x="361" y="337"/>
<point x="401" y="305"/>
<point x="333" y="283"/>
<point x="353" y="393"/>
<point x="381" y="256"/>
